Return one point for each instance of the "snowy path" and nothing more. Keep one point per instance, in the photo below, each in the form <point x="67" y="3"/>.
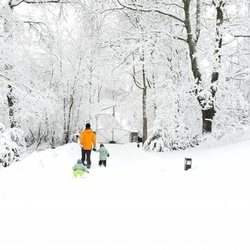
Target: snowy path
<point x="141" y="201"/>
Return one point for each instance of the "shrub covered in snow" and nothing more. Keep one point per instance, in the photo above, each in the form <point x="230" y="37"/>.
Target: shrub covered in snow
<point x="161" y="140"/>
<point x="11" y="145"/>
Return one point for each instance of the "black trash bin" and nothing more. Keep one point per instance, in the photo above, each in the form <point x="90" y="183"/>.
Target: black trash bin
<point x="187" y="163"/>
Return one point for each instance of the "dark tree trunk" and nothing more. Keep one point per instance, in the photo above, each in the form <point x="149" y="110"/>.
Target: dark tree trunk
<point x="67" y="136"/>
<point x="144" y="107"/>
<point x="8" y="26"/>
<point x="143" y="86"/>
<point x="207" y="112"/>
<point x="191" y="45"/>
<point x="145" y="119"/>
<point x="11" y="103"/>
<point x="207" y="119"/>
<point x="64" y="120"/>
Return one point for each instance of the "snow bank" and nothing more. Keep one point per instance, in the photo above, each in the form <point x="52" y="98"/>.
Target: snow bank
<point x="141" y="201"/>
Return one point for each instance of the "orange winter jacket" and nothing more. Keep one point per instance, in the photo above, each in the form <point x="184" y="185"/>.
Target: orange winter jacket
<point x="87" y="139"/>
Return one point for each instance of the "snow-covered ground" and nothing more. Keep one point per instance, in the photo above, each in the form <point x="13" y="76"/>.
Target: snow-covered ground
<point x="141" y="201"/>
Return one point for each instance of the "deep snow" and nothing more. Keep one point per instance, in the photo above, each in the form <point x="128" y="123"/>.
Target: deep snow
<point x="141" y="201"/>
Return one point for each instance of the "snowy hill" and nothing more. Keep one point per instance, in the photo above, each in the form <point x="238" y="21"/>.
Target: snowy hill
<point x="141" y="201"/>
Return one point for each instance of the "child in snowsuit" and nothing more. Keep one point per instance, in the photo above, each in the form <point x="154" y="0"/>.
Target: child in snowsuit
<point x="103" y="155"/>
<point x="79" y="169"/>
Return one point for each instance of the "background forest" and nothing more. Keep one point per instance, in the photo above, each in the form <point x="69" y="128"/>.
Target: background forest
<point x="177" y="71"/>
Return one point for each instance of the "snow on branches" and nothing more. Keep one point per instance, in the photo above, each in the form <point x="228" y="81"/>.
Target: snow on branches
<point x="11" y="145"/>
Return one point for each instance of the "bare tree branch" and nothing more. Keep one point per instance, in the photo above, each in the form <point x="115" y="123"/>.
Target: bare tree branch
<point x="125" y="59"/>
<point x="112" y="9"/>
<point x="141" y="8"/>
<point x="138" y="85"/>
<point x="245" y="36"/>
<point x="5" y="77"/>
<point x="14" y="3"/>
<point x="171" y="4"/>
<point x="180" y="38"/>
<point x="149" y="83"/>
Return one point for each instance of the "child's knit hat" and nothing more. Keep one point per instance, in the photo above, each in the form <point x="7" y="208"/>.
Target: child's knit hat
<point x="79" y="161"/>
<point x="101" y="145"/>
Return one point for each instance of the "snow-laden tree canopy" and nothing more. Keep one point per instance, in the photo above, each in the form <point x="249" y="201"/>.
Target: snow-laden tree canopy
<point x="172" y="70"/>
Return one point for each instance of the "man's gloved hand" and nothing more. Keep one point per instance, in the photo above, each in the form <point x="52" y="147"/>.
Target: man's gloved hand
<point x="94" y="149"/>
<point x="108" y="155"/>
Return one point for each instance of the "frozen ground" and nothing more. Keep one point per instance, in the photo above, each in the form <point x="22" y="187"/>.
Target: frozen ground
<point x="141" y="201"/>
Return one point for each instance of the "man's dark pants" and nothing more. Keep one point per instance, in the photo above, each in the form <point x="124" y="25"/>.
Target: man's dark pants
<point x="86" y="157"/>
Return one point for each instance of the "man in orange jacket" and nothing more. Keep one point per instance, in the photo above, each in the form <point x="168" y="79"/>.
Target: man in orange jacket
<point x="88" y="142"/>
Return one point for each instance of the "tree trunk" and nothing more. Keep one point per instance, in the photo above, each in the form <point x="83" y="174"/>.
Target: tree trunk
<point x="207" y="112"/>
<point x="11" y="102"/>
<point x="192" y="46"/>
<point x="71" y="102"/>
<point x="218" y="44"/>
<point x="64" y="120"/>
<point x="145" y="119"/>
<point x="143" y="86"/>
<point x="144" y="109"/>
<point x="207" y="119"/>
<point x="8" y="26"/>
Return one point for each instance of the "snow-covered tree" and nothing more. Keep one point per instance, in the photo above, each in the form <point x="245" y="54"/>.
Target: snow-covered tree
<point x="12" y="145"/>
